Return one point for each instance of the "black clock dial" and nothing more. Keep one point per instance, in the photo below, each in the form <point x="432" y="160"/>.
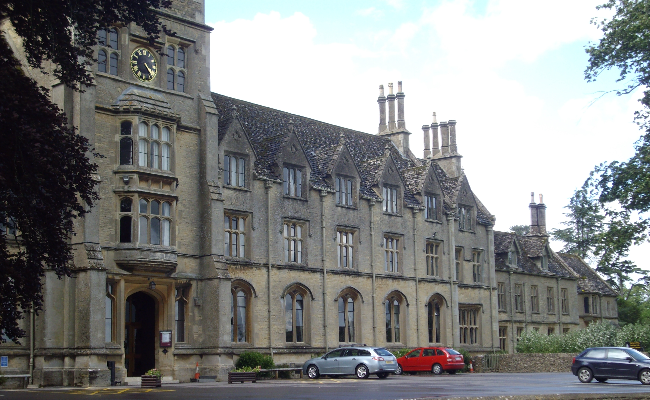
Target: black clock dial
<point x="143" y="64"/>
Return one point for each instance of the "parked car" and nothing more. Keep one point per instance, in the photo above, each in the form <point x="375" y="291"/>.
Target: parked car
<point x="361" y="361"/>
<point x="434" y="359"/>
<point x="604" y="363"/>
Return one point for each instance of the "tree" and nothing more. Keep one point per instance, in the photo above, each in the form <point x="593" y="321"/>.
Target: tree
<point x="583" y="225"/>
<point x="45" y="176"/>
<point x="520" y="230"/>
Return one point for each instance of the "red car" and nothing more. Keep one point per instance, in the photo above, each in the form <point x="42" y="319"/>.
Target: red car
<point x="434" y="359"/>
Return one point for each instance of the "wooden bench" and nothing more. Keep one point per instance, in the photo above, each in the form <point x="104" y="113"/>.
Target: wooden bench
<point x="24" y="377"/>
<point x="242" y="377"/>
<point x="277" y="370"/>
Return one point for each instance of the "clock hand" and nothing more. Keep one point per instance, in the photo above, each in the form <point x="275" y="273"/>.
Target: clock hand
<point x="150" y="71"/>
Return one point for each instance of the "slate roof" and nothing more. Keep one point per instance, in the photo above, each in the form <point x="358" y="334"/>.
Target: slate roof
<point x="268" y="128"/>
<point x="529" y="248"/>
<point x="589" y="281"/>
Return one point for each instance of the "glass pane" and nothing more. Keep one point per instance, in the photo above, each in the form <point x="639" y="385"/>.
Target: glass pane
<point x="113" y="62"/>
<point x="142" y="153"/>
<point x="298" y="183"/>
<point x="101" y="37"/>
<point x="233" y="246"/>
<point x="154" y="131"/>
<point x="165" y="209"/>
<point x="241" y="316"/>
<point x="338" y="190"/>
<point x="181" y="58"/>
<point x="170" y="55"/>
<point x="143" y="206"/>
<point x="170" y="79"/>
<point x="125" y="230"/>
<point x="113" y="38"/>
<point x="285" y="181"/>
<point x="242" y="170"/>
<point x="166" y="150"/>
<point x="154" y="154"/>
<point x="227" y="243"/>
<point x="125" y="205"/>
<point x="180" y="84"/>
<point x="126" y="151"/>
<point x="299" y="322"/>
<point x="341" y="320"/>
<point x="165" y="134"/>
<point x="288" y="312"/>
<point x="299" y="251"/>
<point x="101" y="61"/>
<point x="233" y="171"/>
<point x="155" y="207"/>
<point x="350" y="320"/>
<point x="155" y="231"/>
<point x="125" y="128"/>
<point x="242" y="244"/>
<point x="143" y="230"/>
<point x="166" y="232"/>
<point x="142" y="129"/>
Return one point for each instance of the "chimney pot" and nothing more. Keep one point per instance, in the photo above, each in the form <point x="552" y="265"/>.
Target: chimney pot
<point x="427" y="148"/>
<point x="390" y="88"/>
<point x="435" y="119"/>
<point x="399" y="86"/>
<point x="381" y="90"/>
<point x="541" y="198"/>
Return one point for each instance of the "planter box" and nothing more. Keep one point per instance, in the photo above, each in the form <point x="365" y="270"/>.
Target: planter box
<point x="150" y="381"/>
<point x="242" y="377"/>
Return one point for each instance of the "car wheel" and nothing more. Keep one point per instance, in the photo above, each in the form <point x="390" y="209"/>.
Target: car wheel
<point x="312" y="372"/>
<point x="585" y="375"/>
<point x="361" y="371"/>
<point x="644" y="376"/>
<point x="436" y="369"/>
<point x="451" y="371"/>
<point x="399" y="370"/>
<point x="382" y="375"/>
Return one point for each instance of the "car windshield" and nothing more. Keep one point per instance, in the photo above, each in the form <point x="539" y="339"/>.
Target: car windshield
<point x="637" y="355"/>
<point x="383" y="352"/>
<point x="452" y="352"/>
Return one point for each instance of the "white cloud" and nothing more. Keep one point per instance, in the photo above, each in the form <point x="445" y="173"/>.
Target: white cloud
<point x="397" y="4"/>
<point x="370" y="12"/>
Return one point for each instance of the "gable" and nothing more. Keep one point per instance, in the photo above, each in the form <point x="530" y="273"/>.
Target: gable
<point x="390" y="174"/>
<point x="465" y="195"/>
<point x="431" y="183"/>
<point x="344" y="165"/>
<point x="235" y="140"/>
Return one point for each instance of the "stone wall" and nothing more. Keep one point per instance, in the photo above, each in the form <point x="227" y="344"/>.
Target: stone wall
<point x="524" y="362"/>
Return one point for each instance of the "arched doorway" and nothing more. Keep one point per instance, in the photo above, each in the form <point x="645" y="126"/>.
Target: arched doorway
<point x="139" y="334"/>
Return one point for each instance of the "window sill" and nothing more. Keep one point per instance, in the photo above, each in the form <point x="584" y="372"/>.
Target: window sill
<point x="392" y="214"/>
<point x="294" y="198"/>
<point x="242" y="188"/>
<point x="434" y="221"/>
<point x="352" y="207"/>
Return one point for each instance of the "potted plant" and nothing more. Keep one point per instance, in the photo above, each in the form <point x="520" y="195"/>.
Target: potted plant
<point x="244" y="374"/>
<point x="151" y="379"/>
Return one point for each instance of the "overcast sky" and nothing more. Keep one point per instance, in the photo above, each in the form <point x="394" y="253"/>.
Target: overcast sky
<point x="510" y="72"/>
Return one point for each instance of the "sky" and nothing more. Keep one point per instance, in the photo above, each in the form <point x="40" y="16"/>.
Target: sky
<point x="510" y="72"/>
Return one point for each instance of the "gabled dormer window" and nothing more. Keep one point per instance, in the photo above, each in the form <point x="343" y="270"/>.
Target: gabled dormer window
<point x="389" y="204"/>
<point x="544" y="262"/>
<point x="512" y="257"/>
<point x="431" y="207"/>
<point x="292" y="181"/>
<point x="344" y="191"/>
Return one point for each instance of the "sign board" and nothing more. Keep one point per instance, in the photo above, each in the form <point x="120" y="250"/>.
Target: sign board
<point x="4" y="361"/>
<point x="165" y="338"/>
<point x="634" y="345"/>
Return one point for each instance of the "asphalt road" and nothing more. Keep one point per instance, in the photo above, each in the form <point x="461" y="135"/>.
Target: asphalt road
<point x="395" y="387"/>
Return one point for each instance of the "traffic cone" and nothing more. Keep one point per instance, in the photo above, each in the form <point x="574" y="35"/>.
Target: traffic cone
<point x="471" y="367"/>
<point x="196" y="375"/>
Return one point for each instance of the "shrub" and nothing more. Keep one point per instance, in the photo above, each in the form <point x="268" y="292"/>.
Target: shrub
<point x="154" y="372"/>
<point x="252" y="360"/>
<point x="400" y="352"/>
<point x="467" y="358"/>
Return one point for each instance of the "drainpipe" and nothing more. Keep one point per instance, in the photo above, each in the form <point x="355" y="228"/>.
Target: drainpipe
<point x="415" y="267"/>
<point x="267" y="186"/>
<point x="372" y="267"/>
<point x="558" y="308"/>
<point x="322" y="234"/>
<point x="31" y="345"/>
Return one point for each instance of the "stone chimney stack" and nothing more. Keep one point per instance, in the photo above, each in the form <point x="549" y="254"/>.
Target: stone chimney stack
<point x="427" y="148"/>
<point x="391" y="108"/>
<point x="537" y="215"/>
<point x="435" y="145"/>
<point x="401" y="123"/>
<point x="453" y="149"/>
<point x="382" y="109"/>
<point x="444" y="133"/>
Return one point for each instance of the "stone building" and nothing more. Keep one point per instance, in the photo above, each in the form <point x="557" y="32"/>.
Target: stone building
<point x="226" y="226"/>
<point x="538" y="289"/>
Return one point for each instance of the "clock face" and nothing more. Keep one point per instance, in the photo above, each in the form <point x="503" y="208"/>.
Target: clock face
<point x="143" y="64"/>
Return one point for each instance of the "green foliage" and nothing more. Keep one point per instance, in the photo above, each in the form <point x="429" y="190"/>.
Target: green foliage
<point x="400" y="352"/>
<point x="596" y="334"/>
<point x="248" y="369"/>
<point x="467" y="358"/>
<point x="520" y="230"/>
<point x="3" y="380"/>
<point x="154" y="372"/>
<point x="253" y="359"/>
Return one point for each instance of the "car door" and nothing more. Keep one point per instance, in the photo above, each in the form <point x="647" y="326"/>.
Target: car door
<point x="427" y="359"/>
<point x="330" y="363"/>
<point x="597" y="361"/>
<point x="411" y="360"/>
<point x="348" y="361"/>
<point x="619" y="364"/>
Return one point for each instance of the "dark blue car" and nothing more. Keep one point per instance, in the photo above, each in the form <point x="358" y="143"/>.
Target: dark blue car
<point x="602" y="363"/>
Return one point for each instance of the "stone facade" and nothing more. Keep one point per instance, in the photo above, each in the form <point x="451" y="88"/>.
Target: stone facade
<point x="225" y="226"/>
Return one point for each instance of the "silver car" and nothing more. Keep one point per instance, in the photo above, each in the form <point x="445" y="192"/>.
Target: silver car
<point x="355" y="360"/>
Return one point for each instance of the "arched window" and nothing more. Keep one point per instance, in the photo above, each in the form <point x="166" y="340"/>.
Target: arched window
<point x="143" y="151"/>
<point x="434" y="320"/>
<point x="125" y="220"/>
<point x="393" y="318"/>
<point x="155" y="222"/>
<point x="294" y="308"/>
<point x="110" y="312"/>
<point x="101" y="61"/>
<point x="180" y="56"/>
<point x="346" y="319"/>
<point x="240" y="296"/>
<point x="586" y="304"/>
<point x="143" y="226"/>
<point x="166" y="224"/>
<point x="113" y="70"/>
<point x="180" y="84"/>
<point x="112" y="34"/>
<point x="126" y="144"/>
<point x="170" y="79"/>
<point x="170" y="55"/>
<point x="181" y="309"/>
<point x="101" y="37"/>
